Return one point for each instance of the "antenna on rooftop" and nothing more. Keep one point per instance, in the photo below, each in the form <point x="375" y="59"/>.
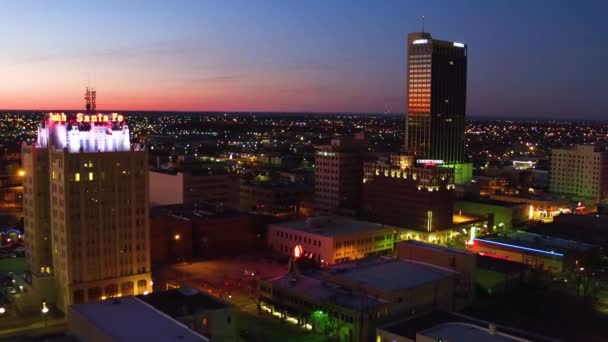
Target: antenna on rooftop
<point x="422" y="19"/>
<point x="87" y="98"/>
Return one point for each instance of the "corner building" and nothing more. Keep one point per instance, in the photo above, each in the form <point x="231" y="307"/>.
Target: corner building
<point x="98" y="209"/>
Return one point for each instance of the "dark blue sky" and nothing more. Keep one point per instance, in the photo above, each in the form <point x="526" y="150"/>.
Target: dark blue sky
<point x="534" y="58"/>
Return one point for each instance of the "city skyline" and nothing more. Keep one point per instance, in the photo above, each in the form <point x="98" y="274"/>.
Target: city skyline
<point x="283" y="57"/>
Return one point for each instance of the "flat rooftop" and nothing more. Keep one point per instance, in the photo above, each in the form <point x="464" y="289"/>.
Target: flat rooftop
<point x="389" y="274"/>
<point x="458" y="331"/>
<point x="130" y="319"/>
<point x="489" y="201"/>
<point x="456" y="327"/>
<point x="330" y="226"/>
<point x="175" y="302"/>
<point x="195" y="211"/>
<point x="436" y="247"/>
<point x="542" y="243"/>
<point x="312" y="286"/>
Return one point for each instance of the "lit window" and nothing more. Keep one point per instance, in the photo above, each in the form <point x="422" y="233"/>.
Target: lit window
<point x="77" y="177"/>
<point x="90" y="176"/>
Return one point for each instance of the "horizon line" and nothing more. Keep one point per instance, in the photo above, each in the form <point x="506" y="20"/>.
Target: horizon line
<point x="472" y="116"/>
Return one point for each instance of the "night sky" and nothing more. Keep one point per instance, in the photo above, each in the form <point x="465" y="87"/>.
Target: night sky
<point x="526" y="58"/>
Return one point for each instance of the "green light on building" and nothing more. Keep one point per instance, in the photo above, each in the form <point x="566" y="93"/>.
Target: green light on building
<point x="463" y="173"/>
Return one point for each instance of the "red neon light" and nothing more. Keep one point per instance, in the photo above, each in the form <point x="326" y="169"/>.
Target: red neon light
<point x="297" y="251"/>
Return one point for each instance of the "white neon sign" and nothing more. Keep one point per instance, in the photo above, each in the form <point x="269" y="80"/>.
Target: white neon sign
<point x="429" y="161"/>
<point x="457" y="44"/>
<point x="420" y="41"/>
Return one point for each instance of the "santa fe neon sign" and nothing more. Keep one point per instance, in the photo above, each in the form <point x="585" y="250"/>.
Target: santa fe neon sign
<point x="94" y="118"/>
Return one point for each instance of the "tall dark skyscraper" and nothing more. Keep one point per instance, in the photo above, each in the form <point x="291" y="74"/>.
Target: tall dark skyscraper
<point x="436" y="99"/>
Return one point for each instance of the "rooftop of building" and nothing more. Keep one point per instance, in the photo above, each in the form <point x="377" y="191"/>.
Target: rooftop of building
<point x="330" y="226"/>
<point x="131" y="319"/>
<point x="489" y="201"/>
<point x="312" y="286"/>
<point x="463" y="218"/>
<point x="460" y="331"/>
<point x="537" y="243"/>
<point x="199" y="170"/>
<point x="456" y="327"/>
<point x="278" y="185"/>
<point x="195" y="211"/>
<point x="580" y="148"/>
<point x="527" y="196"/>
<point x="388" y="274"/>
<point x="183" y="301"/>
<point x="436" y="247"/>
<point x="591" y="229"/>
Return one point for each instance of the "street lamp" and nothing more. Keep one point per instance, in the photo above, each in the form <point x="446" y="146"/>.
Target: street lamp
<point x="2" y="310"/>
<point x="44" y="309"/>
<point x="21" y="173"/>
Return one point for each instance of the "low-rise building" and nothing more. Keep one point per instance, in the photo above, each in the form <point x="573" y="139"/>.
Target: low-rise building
<point x="180" y="232"/>
<point x="125" y="319"/>
<point x="329" y="240"/>
<point x="541" y="207"/>
<point x="462" y="262"/>
<point x="496" y="276"/>
<point x="546" y="253"/>
<point x="205" y="314"/>
<point x="349" y="301"/>
<point x="449" y="326"/>
<point x="272" y="197"/>
<point x="204" y="183"/>
<point x="506" y="214"/>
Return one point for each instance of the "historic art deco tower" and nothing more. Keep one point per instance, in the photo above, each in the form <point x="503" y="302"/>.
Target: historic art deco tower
<point x="436" y="100"/>
<point x="86" y="209"/>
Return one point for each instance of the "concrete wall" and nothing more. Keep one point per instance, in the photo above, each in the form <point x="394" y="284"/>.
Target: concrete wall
<point x="166" y="188"/>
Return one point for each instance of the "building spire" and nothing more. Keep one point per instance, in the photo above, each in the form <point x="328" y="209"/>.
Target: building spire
<point x="422" y="20"/>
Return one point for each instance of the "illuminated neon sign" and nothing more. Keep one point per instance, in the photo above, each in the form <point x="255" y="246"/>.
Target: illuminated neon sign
<point x="429" y="161"/>
<point x="58" y="117"/>
<point x="520" y="247"/>
<point x="93" y="118"/>
<point x="420" y="41"/>
<point x="114" y="117"/>
<point x="457" y="44"/>
<point x="298" y="251"/>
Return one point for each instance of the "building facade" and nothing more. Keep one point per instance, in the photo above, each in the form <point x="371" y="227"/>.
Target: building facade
<point x="347" y="303"/>
<point x="338" y="175"/>
<point x="179" y="186"/>
<point x="330" y="240"/>
<point x="275" y="198"/>
<point x="436" y="102"/>
<point x="87" y="210"/>
<point x="436" y="98"/>
<point x="581" y="172"/>
<point x="418" y="198"/>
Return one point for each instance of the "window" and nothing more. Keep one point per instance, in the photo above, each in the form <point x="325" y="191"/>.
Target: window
<point x="77" y="177"/>
<point x="90" y="176"/>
